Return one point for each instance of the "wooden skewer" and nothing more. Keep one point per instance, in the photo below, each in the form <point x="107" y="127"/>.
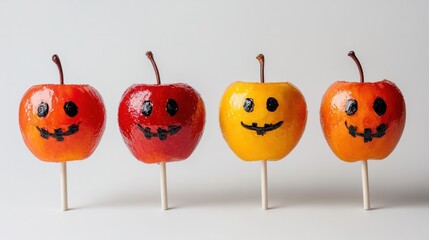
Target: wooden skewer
<point x="365" y="185"/>
<point x="164" y="197"/>
<point x="264" y="185"/>
<point x="63" y="182"/>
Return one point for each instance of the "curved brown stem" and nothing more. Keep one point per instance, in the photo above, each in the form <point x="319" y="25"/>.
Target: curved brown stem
<point x="353" y="56"/>
<point x="261" y="60"/>
<point x="152" y="60"/>
<point x="57" y="61"/>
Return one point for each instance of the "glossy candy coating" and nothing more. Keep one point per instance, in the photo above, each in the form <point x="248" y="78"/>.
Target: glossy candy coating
<point x="362" y="121"/>
<point x="161" y="123"/>
<point x="262" y="121"/>
<point x="61" y="122"/>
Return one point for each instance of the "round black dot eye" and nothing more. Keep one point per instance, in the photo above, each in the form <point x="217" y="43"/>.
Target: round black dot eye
<point x="172" y="107"/>
<point x="70" y="108"/>
<point x="147" y="108"/>
<point x="379" y="106"/>
<point x="42" y="109"/>
<point x="351" y="107"/>
<point x="272" y="104"/>
<point x="248" y="105"/>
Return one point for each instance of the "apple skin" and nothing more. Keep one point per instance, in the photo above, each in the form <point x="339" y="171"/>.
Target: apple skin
<point x="173" y="146"/>
<point x="377" y="144"/>
<point x="250" y="145"/>
<point x="65" y="145"/>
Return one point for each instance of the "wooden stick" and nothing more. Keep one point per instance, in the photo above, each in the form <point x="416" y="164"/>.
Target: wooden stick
<point x="264" y="185"/>
<point x="64" y="200"/>
<point x="164" y="198"/>
<point x="365" y="185"/>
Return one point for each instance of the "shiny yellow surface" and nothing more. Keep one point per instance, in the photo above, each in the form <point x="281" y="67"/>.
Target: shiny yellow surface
<point x="275" y="144"/>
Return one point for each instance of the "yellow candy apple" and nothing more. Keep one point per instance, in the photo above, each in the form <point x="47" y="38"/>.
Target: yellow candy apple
<point x="262" y="121"/>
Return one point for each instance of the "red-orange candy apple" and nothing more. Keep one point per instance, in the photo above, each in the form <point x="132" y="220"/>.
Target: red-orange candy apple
<point x="61" y="122"/>
<point x="362" y="120"/>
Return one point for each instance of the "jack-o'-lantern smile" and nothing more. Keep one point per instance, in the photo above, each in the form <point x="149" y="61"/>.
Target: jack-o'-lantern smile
<point x="262" y="130"/>
<point x="58" y="133"/>
<point x="160" y="132"/>
<point x="367" y="133"/>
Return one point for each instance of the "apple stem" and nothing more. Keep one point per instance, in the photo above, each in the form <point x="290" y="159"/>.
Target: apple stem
<point x="57" y="61"/>
<point x="150" y="56"/>
<point x="353" y="56"/>
<point x="261" y="60"/>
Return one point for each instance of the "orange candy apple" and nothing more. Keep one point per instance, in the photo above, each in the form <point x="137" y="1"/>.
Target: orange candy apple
<point x="61" y="122"/>
<point x="362" y="120"/>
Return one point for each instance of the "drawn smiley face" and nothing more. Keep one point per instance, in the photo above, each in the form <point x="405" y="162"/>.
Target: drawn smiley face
<point x="271" y="105"/>
<point x="262" y="121"/>
<point x="368" y="134"/>
<point x="171" y="108"/>
<point x="70" y="109"/>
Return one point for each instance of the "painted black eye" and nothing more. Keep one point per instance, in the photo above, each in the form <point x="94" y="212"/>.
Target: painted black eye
<point x="70" y="108"/>
<point x="42" y="109"/>
<point x="248" y="105"/>
<point x="351" y="107"/>
<point x="172" y="107"/>
<point x="272" y="104"/>
<point x="379" y="106"/>
<point x="147" y="108"/>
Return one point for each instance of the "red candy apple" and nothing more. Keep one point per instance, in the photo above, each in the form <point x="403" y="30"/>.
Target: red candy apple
<point x="161" y="122"/>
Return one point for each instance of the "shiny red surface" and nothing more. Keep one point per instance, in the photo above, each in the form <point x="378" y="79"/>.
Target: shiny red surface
<point x="90" y="118"/>
<point x="333" y="118"/>
<point x="190" y="117"/>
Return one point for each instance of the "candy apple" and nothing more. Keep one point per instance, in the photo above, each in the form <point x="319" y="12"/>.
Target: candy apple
<point x="61" y="122"/>
<point x="161" y="122"/>
<point x="262" y="121"/>
<point x="362" y="120"/>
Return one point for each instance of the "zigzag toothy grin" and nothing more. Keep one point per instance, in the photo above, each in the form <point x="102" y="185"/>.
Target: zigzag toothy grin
<point x="58" y="133"/>
<point x="160" y="133"/>
<point x="262" y="130"/>
<point x="367" y="132"/>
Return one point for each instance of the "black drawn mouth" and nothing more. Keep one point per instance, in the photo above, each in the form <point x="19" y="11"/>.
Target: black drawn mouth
<point x="58" y="133"/>
<point x="367" y="133"/>
<point x="262" y="130"/>
<point x="160" y="133"/>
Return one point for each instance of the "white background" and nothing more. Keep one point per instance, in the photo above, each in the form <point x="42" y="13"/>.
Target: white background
<point x="210" y="44"/>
